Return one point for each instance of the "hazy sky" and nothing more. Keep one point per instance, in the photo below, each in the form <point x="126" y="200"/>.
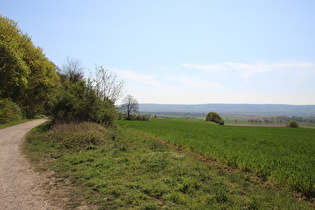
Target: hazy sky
<point x="183" y="52"/>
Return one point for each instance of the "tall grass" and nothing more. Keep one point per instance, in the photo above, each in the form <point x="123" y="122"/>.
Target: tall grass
<point x="283" y="156"/>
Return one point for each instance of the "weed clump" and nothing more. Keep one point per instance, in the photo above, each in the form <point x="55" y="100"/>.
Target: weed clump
<point x="78" y="135"/>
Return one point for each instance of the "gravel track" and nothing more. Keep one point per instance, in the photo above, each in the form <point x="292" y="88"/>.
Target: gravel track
<point x="19" y="184"/>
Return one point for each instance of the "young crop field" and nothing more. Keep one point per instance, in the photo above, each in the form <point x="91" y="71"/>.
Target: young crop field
<point x="114" y="168"/>
<point x="281" y="156"/>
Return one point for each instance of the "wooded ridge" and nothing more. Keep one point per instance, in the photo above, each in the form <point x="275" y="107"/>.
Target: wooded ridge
<point x="268" y="109"/>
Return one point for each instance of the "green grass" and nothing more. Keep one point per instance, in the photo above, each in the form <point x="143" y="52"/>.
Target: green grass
<point x="5" y="125"/>
<point x="16" y="122"/>
<point x="124" y="170"/>
<point x="281" y="156"/>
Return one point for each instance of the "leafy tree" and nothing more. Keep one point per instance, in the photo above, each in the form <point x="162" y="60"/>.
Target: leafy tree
<point x="293" y="124"/>
<point x="42" y="82"/>
<point x="130" y="105"/>
<point x="26" y="75"/>
<point x="14" y="71"/>
<point x="214" y="117"/>
<point x="9" y="111"/>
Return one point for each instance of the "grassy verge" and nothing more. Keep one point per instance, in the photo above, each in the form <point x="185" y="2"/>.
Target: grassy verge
<point x="115" y="168"/>
<point x="5" y="125"/>
<point x="12" y="123"/>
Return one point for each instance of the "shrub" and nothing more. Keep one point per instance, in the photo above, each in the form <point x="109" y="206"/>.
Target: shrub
<point x="9" y="111"/>
<point x="78" y="102"/>
<point x="293" y="124"/>
<point x="214" y="117"/>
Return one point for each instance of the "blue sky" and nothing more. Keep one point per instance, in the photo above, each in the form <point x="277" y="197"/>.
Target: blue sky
<point x="183" y="52"/>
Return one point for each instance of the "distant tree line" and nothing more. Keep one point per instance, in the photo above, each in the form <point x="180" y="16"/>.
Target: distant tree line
<point x="190" y="114"/>
<point x="281" y="120"/>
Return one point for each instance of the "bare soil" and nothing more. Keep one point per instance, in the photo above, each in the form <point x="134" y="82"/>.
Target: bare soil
<point x="20" y="186"/>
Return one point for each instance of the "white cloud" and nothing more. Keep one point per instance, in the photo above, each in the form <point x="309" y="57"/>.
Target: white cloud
<point x="247" y="71"/>
<point x="197" y="83"/>
<point x="140" y="78"/>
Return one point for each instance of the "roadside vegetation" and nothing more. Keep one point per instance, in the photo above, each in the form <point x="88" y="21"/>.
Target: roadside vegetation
<point x="114" y="168"/>
<point x="12" y="123"/>
<point x="280" y="156"/>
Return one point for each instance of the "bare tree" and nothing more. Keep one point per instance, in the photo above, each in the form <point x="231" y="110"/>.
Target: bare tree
<point x="73" y="70"/>
<point x="107" y="84"/>
<point x="130" y="105"/>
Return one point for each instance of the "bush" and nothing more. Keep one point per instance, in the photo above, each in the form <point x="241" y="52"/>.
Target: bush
<point x="9" y="111"/>
<point x="78" y="102"/>
<point x="214" y="117"/>
<point x="293" y="124"/>
<point x="221" y="122"/>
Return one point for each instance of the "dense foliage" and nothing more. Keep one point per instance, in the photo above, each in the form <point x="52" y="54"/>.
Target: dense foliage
<point x="214" y="117"/>
<point x="293" y="124"/>
<point x="282" y="156"/>
<point x="27" y="77"/>
<point x="77" y="102"/>
<point x="9" y="111"/>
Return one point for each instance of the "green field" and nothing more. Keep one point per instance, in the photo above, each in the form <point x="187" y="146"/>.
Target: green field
<point x="114" y="168"/>
<point x="281" y="156"/>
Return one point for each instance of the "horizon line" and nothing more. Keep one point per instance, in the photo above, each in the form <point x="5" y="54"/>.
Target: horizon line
<point x="231" y="104"/>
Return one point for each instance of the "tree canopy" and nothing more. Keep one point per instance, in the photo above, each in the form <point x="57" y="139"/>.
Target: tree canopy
<point x="214" y="117"/>
<point x="26" y="74"/>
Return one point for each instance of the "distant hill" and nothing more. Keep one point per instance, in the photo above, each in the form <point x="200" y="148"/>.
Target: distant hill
<point x="259" y="109"/>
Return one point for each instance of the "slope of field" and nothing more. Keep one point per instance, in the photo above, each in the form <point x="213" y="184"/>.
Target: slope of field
<point x="283" y="156"/>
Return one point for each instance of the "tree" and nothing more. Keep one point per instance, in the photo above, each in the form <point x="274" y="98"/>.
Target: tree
<point x="73" y="70"/>
<point x="9" y="111"/>
<point x="130" y="105"/>
<point x="107" y="84"/>
<point x="293" y="124"/>
<point x="214" y="117"/>
<point x="14" y="71"/>
<point x="27" y="77"/>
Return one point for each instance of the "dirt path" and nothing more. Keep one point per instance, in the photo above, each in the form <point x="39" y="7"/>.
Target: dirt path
<point x="19" y="185"/>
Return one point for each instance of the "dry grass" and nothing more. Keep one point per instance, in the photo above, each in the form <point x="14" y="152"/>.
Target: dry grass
<point x="78" y="135"/>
